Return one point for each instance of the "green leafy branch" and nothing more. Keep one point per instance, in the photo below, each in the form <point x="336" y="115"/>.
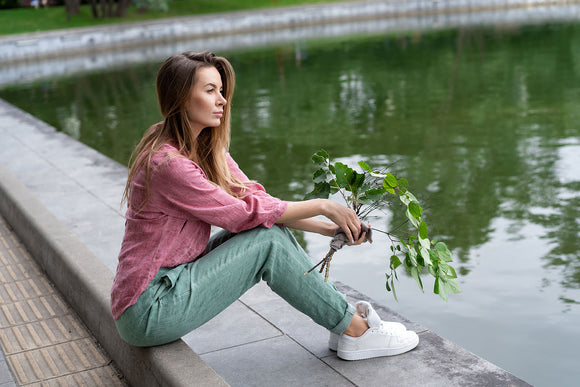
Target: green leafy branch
<point x="371" y="190"/>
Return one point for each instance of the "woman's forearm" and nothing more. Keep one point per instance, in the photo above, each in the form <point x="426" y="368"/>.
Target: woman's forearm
<point x="342" y="216"/>
<point x="302" y="210"/>
<point x="313" y="225"/>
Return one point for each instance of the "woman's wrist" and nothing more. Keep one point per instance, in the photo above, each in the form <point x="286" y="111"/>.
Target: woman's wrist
<point x="330" y="228"/>
<point x="322" y="206"/>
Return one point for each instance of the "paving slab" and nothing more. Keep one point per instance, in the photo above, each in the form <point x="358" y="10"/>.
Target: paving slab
<point x="293" y="323"/>
<point x="220" y="333"/>
<point x="278" y="361"/>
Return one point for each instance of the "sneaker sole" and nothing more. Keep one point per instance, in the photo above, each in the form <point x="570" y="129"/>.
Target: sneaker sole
<point x="380" y="352"/>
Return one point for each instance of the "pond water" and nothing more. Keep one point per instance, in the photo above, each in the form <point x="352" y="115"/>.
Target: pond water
<point x="484" y="124"/>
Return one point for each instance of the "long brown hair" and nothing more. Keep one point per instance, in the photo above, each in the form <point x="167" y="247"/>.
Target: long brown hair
<point x="175" y="80"/>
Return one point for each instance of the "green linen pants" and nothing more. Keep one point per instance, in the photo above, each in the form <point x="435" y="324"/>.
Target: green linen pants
<point x="182" y="298"/>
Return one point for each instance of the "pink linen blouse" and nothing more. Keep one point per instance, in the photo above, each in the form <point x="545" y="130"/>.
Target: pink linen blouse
<point x="174" y="226"/>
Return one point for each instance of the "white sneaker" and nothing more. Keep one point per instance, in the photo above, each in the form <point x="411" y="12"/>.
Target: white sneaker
<point x="376" y="342"/>
<point x="366" y="310"/>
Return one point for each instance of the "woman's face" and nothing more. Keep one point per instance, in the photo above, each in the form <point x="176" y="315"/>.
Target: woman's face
<point x="205" y="106"/>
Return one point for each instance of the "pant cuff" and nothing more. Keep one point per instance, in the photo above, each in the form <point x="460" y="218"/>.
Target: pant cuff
<point x="345" y="322"/>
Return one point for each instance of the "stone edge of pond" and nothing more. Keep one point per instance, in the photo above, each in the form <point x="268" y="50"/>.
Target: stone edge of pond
<point x="91" y="40"/>
<point x="85" y="281"/>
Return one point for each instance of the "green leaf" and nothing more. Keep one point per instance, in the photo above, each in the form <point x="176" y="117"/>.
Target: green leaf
<point x="448" y="270"/>
<point x="432" y="270"/>
<point x="412" y="253"/>
<point x="425" y="243"/>
<point x="413" y="220"/>
<point x="425" y="254"/>
<point x="433" y="255"/>
<point x="415" y="275"/>
<point x="407" y="198"/>
<point x="403" y="183"/>
<point x="395" y="262"/>
<point x="415" y="210"/>
<point x="443" y="252"/>
<point x="343" y="175"/>
<point x="364" y="166"/>
<point x="423" y="231"/>
<point x="443" y="291"/>
<point x="391" y="180"/>
<point x="394" y="292"/>
<point x="374" y="194"/>
<point x="358" y="180"/>
<point x="453" y="286"/>
<point x="321" y="190"/>
<point x="388" y="189"/>
<point x="321" y="158"/>
<point x="323" y="153"/>
<point x="318" y="160"/>
<point x="407" y="262"/>
<point x="320" y="175"/>
<point x="387" y="283"/>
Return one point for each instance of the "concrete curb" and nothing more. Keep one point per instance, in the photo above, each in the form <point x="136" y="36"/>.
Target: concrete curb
<point x="86" y="282"/>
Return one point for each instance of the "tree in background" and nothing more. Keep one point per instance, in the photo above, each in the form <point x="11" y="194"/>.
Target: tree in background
<point x="109" y="8"/>
<point x="72" y="8"/>
<point x="112" y="8"/>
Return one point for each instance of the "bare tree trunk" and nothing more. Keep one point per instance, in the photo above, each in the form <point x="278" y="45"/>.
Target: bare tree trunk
<point x="72" y="8"/>
<point x="108" y="8"/>
<point x="110" y="5"/>
<point x="94" y="9"/>
<point x="103" y="4"/>
<point x="122" y="6"/>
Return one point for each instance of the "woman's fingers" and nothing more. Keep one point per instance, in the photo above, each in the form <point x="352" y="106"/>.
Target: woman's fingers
<point x="361" y="240"/>
<point x="352" y="226"/>
<point x="345" y="218"/>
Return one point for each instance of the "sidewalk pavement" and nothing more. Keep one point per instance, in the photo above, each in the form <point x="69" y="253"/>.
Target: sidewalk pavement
<point x="260" y="340"/>
<point x="42" y="340"/>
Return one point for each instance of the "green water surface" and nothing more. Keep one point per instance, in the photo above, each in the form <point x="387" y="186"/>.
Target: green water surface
<point x="484" y="124"/>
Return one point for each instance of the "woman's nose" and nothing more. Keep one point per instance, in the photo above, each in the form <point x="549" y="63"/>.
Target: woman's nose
<point x="222" y="100"/>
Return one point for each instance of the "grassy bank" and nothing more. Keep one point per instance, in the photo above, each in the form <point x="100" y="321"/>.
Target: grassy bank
<point x="22" y="20"/>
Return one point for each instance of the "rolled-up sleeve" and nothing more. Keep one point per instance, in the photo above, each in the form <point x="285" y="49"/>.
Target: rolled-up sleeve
<point x="181" y="187"/>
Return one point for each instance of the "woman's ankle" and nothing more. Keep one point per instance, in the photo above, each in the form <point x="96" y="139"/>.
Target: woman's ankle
<point x="358" y="326"/>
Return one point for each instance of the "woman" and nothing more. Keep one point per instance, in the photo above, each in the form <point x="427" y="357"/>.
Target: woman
<point x="172" y="277"/>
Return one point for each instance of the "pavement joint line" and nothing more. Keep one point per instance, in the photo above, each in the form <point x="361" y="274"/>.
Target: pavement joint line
<point x="217" y="350"/>
<point x="47" y="380"/>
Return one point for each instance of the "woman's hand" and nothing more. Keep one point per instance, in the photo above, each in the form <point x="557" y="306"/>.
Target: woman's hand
<point x="362" y="239"/>
<point x="342" y="216"/>
<point x="345" y="218"/>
